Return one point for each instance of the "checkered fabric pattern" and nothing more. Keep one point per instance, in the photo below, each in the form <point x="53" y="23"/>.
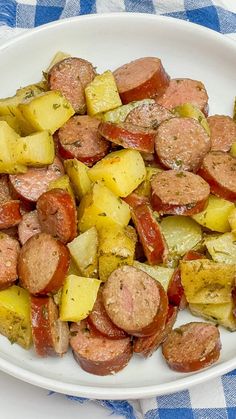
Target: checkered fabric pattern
<point x="215" y="399"/>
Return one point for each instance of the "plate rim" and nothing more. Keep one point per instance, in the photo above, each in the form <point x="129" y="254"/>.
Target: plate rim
<point x="106" y="392"/>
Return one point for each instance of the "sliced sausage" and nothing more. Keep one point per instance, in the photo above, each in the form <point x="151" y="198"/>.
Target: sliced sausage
<point x="43" y="263"/>
<point x="133" y="200"/>
<point x="182" y="193"/>
<point x="29" y="226"/>
<point x="10" y="214"/>
<point x="181" y="144"/>
<point x="223" y="132"/>
<point x="134" y="301"/>
<point x="128" y="136"/>
<point x="50" y="335"/>
<point x="70" y="76"/>
<point x="79" y="138"/>
<point x="57" y="214"/>
<point x="97" y="354"/>
<point x="175" y="290"/>
<point x="5" y="194"/>
<point x="140" y="79"/>
<point x="182" y="91"/>
<point x="30" y="185"/>
<point x="149" y="344"/>
<point x="9" y="252"/>
<point x="219" y="170"/>
<point x="192" y="346"/>
<point x="99" y="319"/>
<point x="148" y="115"/>
<point x="150" y="235"/>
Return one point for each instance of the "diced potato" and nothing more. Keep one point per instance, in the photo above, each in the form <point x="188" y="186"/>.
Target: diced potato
<point x="78" y="297"/>
<point x="73" y="270"/>
<point x="36" y="149"/>
<point x="232" y="221"/>
<point x="83" y="250"/>
<point x="160" y="273"/>
<point x="59" y="56"/>
<point x="116" y="248"/>
<point x="8" y="156"/>
<point x="145" y="188"/>
<point x="215" y="216"/>
<point x="218" y="313"/>
<point x="223" y="248"/>
<point x="102" y="94"/>
<point x="207" y="282"/>
<point x="233" y="149"/>
<point x="78" y="174"/>
<point x="13" y="122"/>
<point x="57" y="296"/>
<point x="62" y="182"/>
<point x="119" y="114"/>
<point x="191" y="111"/>
<point x="15" y="321"/>
<point x="31" y="90"/>
<point x="181" y="233"/>
<point x="121" y="171"/>
<point x="47" y="111"/>
<point x="100" y="208"/>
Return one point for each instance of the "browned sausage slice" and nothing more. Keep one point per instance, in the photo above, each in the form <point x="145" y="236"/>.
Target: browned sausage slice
<point x="43" y="263"/>
<point x="99" y="319"/>
<point x="9" y="251"/>
<point x="129" y="136"/>
<point x="181" y="144"/>
<point x="192" y="346"/>
<point x="57" y="214"/>
<point x="148" y="115"/>
<point x="182" y="193"/>
<point x="150" y="234"/>
<point x="97" y="354"/>
<point x="223" y="132"/>
<point x="29" y="226"/>
<point x="29" y="186"/>
<point x="140" y="79"/>
<point x="149" y="344"/>
<point x="50" y="335"/>
<point x="10" y="214"/>
<point x="70" y="76"/>
<point x="79" y="138"/>
<point x="182" y="91"/>
<point x="219" y="170"/>
<point x="134" y="301"/>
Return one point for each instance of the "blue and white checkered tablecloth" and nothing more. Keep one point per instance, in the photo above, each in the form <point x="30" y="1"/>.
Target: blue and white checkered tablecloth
<point x="215" y="399"/>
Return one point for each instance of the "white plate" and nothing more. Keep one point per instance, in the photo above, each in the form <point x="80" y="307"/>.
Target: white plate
<point x="108" y="41"/>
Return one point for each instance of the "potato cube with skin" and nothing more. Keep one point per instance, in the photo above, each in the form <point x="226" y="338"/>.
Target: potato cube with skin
<point x="121" y="171"/>
<point x="207" y="282"/>
<point x="47" y="111"/>
<point x="102" y="94"/>
<point x="78" y="297"/>
<point x="15" y="321"/>
<point x="36" y="149"/>
<point x="218" y="313"/>
<point x="160" y="273"/>
<point x="216" y="215"/>
<point x="116" y="248"/>
<point x="101" y="208"/>
<point x="83" y="250"/>
<point x="78" y="174"/>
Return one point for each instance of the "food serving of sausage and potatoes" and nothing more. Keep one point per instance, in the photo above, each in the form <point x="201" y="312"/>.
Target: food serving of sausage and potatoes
<point x="117" y="210"/>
